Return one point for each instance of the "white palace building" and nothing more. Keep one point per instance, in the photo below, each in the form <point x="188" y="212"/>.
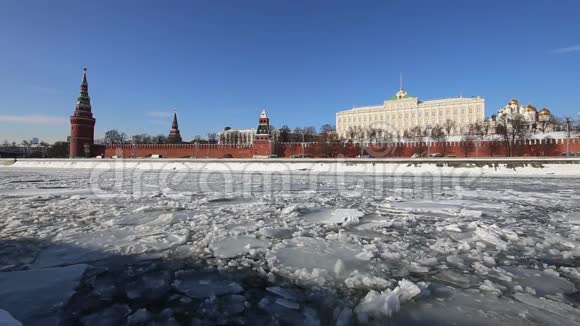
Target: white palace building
<point x="404" y="111"/>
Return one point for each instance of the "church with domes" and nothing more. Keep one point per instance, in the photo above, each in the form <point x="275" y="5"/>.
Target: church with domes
<point x="541" y="120"/>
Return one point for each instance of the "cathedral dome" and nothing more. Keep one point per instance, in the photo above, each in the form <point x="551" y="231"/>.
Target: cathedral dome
<point x="531" y="108"/>
<point x="514" y="101"/>
<point x="544" y="111"/>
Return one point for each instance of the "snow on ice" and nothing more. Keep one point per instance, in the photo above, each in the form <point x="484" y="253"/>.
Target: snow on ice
<point x="178" y="248"/>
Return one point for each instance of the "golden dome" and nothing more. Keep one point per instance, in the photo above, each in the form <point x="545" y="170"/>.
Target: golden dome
<point x="531" y="108"/>
<point x="544" y="111"/>
<point x="514" y="101"/>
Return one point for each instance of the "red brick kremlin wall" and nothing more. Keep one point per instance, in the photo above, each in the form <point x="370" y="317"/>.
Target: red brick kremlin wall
<point x="550" y="147"/>
<point x="179" y="151"/>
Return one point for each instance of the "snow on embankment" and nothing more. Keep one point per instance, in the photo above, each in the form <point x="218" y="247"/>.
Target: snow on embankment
<point x="438" y="167"/>
<point x="6" y="161"/>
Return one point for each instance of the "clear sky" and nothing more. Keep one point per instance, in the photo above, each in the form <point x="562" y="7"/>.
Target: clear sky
<point x="219" y="62"/>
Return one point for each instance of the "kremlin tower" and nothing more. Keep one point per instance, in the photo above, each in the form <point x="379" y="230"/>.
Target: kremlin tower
<point x="82" y="123"/>
<point x="263" y="146"/>
<point x="174" y="134"/>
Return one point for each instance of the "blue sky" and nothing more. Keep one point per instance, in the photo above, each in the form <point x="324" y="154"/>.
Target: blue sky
<point x="219" y="62"/>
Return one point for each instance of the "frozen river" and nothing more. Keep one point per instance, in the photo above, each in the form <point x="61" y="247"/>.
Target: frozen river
<point x="190" y="248"/>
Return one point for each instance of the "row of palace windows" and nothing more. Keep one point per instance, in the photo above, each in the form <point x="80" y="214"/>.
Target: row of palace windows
<point x="462" y="119"/>
<point x="361" y="118"/>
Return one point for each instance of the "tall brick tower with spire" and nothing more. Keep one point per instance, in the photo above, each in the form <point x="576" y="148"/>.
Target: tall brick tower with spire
<point x="174" y="134"/>
<point x="82" y="133"/>
<point x="263" y="146"/>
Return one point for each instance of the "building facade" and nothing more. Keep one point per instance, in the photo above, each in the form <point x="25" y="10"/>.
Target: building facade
<point x="536" y="120"/>
<point x="82" y="123"/>
<point x="403" y="111"/>
<point x="236" y="136"/>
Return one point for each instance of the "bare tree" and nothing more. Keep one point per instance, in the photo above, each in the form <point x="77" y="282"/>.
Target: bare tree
<point x="514" y="131"/>
<point x="449" y="125"/>
<point x="159" y="139"/>
<point x="142" y="139"/>
<point x="59" y="149"/>
<point x="355" y="134"/>
<point x="478" y="129"/>
<point x="373" y="134"/>
<point x="309" y="134"/>
<point x="326" y="128"/>
<point x="417" y="134"/>
<point x="284" y="134"/>
<point x="115" y="137"/>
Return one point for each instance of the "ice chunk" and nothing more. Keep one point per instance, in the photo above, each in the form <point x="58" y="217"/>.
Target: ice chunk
<point x="278" y="233"/>
<point x="154" y="218"/>
<point x="455" y="260"/>
<point x="339" y="267"/>
<point x="543" y="283"/>
<point x="377" y="305"/>
<point x="150" y="286"/>
<point x="480" y="268"/>
<point x="285" y="293"/>
<point x="344" y="318"/>
<point x="288" y="304"/>
<point x="229" y="247"/>
<point x="489" y="260"/>
<point x="316" y="257"/>
<point x="489" y="286"/>
<point x="406" y="290"/>
<point x="466" y="307"/>
<point x="290" y="209"/>
<point x="471" y="213"/>
<point x="140" y="317"/>
<point x="85" y="247"/>
<point x="351" y="220"/>
<point x="385" y="304"/>
<point x="6" y="319"/>
<point x="333" y="215"/>
<point x="492" y="235"/>
<point x="31" y="295"/>
<point x="557" y="308"/>
<point x="453" y="228"/>
<point x="364" y="281"/>
<point x="455" y="279"/>
<point x="114" y="315"/>
<point x="204" y="285"/>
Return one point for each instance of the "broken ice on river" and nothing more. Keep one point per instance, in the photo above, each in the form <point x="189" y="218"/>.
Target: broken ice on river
<point x="177" y="249"/>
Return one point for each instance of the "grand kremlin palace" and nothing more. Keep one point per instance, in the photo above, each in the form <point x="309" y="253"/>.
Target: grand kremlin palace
<point x="404" y="111"/>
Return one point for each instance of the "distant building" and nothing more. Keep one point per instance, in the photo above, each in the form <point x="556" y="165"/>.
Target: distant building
<point x="404" y="111"/>
<point x="174" y="133"/>
<point x="236" y="136"/>
<point x="34" y="141"/>
<point x="537" y="120"/>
